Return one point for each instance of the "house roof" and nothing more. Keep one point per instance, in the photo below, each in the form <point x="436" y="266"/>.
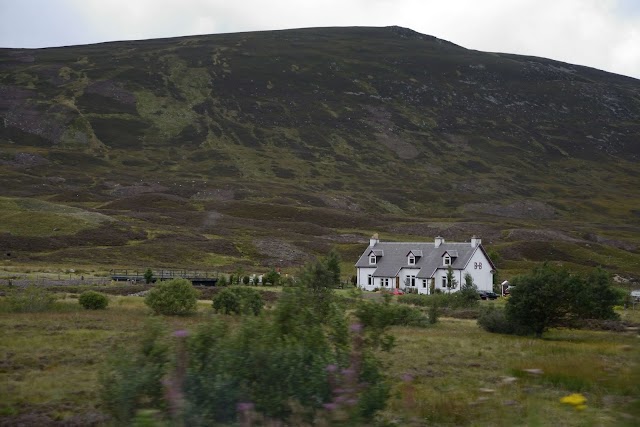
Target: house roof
<point x="395" y="257"/>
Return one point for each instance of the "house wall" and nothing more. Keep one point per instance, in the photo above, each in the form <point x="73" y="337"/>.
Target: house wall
<point x="405" y="273"/>
<point x="479" y="268"/>
<point x="362" y="276"/>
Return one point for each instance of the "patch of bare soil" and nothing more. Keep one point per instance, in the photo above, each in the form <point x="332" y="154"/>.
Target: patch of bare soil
<point x="386" y="133"/>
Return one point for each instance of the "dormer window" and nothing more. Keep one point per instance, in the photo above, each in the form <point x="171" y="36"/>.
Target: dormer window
<point x="412" y="259"/>
<point x="372" y="259"/>
<point x="447" y="260"/>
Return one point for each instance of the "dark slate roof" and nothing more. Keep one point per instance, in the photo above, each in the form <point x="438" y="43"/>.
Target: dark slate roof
<point x="395" y="257"/>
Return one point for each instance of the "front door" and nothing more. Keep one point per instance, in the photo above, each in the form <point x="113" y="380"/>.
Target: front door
<point x="397" y="283"/>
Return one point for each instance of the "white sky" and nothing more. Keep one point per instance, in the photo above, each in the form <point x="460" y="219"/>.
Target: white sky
<point x="604" y="34"/>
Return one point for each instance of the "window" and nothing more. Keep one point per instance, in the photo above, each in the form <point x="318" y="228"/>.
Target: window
<point x="385" y="283"/>
<point x="447" y="260"/>
<point x="412" y="280"/>
<point x="412" y="260"/>
<point x="370" y="279"/>
<point x="444" y="281"/>
<point x="424" y="283"/>
<point x="372" y="259"/>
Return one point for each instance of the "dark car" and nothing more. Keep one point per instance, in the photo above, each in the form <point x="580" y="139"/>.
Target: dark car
<point x="487" y="295"/>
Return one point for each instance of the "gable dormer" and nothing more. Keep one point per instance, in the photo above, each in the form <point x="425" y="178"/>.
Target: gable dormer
<point x="448" y="257"/>
<point x="374" y="256"/>
<point x="413" y="256"/>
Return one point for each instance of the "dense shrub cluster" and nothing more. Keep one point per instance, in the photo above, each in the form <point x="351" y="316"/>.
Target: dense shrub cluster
<point x="299" y="364"/>
<point x="379" y="314"/>
<point x="238" y="300"/>
<point x="92" y="300"/>
<point x="551" y="296"/>
<point x="173" y="297"/>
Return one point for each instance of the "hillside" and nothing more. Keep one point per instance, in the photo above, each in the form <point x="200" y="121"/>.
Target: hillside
<point x="263" y="149"/>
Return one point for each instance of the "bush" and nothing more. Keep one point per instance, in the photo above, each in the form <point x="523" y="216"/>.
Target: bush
<point x="92" y="300"/>
<point x="130" y="378"/>
<point x="551" y="296"/>
<point x="238" y="301"/>
<point x="174" y="297"/>
<point x="379" y="314"/>
<point x="493" y="319"/>
<point x="32" y="299"/>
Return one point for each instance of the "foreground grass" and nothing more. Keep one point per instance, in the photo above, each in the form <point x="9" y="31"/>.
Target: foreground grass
<point x="450" y="374"/>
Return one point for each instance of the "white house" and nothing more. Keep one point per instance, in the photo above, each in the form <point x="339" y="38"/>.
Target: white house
<point x="415" y="266"/>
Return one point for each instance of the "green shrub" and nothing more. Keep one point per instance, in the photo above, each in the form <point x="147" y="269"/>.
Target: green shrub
<point x="238" y="301"/>
<point x="378" y="314"/>
<point x="133" y="379"/>
<point x="174" y="297"/>
<point x="92" y="300"/>
<point x="31" y="299"/>
<point x="551" y="296"/>
<point x="493" y="319"/>
<point x="227" y="302"/>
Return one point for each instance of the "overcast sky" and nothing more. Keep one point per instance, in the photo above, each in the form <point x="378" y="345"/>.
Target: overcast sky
<point x="604" y="34"/>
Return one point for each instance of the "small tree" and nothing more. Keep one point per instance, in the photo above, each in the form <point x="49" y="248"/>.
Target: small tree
<point x="452" y="283"/>
<point x="332" y="261"/>
<point x="468" y="294"/>
<point x="148" y="276"/>
<point x="174" y="297"/>
<point x="246" y="280"/>
<point x="272" y="277"/>
<point x="222" y="281"/>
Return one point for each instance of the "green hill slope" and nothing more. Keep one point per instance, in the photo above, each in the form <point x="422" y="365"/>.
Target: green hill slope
<point x="259" y="149"/>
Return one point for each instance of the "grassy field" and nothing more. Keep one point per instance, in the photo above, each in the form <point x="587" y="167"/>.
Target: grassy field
<point x="453" y="373"/>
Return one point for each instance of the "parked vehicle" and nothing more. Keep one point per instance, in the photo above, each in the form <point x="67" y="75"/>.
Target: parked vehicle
<point x="397" y="292"/>
<point x="487" y="295"/>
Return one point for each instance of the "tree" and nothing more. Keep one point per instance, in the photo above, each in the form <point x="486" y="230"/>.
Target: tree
<point x="148" y="276"/>
<point x="452" y="283"/>
<point x="332" y="261"/>
<point x="272" y="277"/>
<point x="468" y="294"/>
<point x="551" y="296"/>
<point x="246" y="280"/>
<point x="174" y="297"/>
<point x="595" y="297"/>
<point x="538" y="300"/>
<point x="222" y="281"/>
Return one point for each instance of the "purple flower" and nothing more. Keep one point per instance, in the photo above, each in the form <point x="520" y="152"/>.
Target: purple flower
<point x="331" y="368"/>
<point x="181" y="333"/>
<point x="356" y="327"/>
<point x="352" y="402"/>
<point x="244" y="406"/>
<point x="330" y="406"/>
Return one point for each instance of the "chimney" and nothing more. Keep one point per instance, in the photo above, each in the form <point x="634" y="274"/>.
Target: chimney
<point x="475" y="241"/>
<point x="439" y="241"/>
<point x="374" y="239"/>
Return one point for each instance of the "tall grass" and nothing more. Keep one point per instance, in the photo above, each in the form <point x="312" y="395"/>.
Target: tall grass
<point x="452" y="373"/>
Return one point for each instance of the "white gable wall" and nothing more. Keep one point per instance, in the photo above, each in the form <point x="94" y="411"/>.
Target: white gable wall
<point x="479" y="268"/>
